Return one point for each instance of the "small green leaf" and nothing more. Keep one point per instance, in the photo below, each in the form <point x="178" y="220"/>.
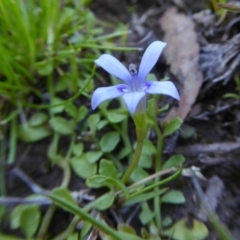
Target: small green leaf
<point x="82" y="167"/>
<point x="75" y="235"/>
<point x="124" y="152"/>
<point x="172" y="126"/>
<point x="109" y="141"/>
<point x="231" y="95"/>
<point x="98" y="181"/>
<point x="57" y="109"/>
<point x="107" y="168"/>
<point x="32" y="134"/>
<point x="8" y="237"/>
<point x="174" y="161"/>
<point x="82" y="112"/>
<point x="187" y="131"/>
<point x="116" y="117"/>
<point x="151" y="77"/>
<point x="61" y="125"/>
<point x="104" y="202"/>
<point x="163" y="109"/>
<point x="78" y="149"/>
<point x="126" y="228"/>
<point x="93" y="156"/>
<point x="30" y="219"/>
<point x="145" y="161"/>
<point x="138" y="174"/>
<point x="71" y="109"/>
<point x="144" y="197"/>
<point x="174" y="197"/>
<point x="148" y="147"/>
<point x="85" y="229"/>
<point x="64" y="194"/>
<point x="27" y="218"/>
<point x="167" y="221"/>
<point x="102" y="124"/>
<point x="45" y="67"/>
<point x="146" y="216"/>
<point x="93" y="122"/>
<point x="37" y="119"/>
<point x="182" y="230"/>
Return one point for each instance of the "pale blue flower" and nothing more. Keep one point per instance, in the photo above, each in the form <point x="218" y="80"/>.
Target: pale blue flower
<point x="135" y="88"/>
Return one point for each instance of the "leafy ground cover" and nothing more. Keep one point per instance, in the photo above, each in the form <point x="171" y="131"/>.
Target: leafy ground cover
<point x="68" y="172"/>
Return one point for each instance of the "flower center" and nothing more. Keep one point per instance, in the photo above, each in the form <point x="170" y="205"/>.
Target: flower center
<point x="134" y="85"/>
<point x="132" y="69"/>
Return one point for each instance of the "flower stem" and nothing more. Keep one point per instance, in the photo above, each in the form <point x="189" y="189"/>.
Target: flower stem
<point x="157" y="200"/>
<point x="140" y="122"/>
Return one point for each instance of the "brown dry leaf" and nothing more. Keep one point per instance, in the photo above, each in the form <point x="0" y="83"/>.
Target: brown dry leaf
<point x="182" y="54"/>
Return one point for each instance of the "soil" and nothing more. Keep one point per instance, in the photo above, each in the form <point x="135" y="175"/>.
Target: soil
<point x="218" y="168"/>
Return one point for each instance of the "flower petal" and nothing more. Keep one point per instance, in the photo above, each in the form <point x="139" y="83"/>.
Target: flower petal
<point x="105" y="93"/>
<point x="114" y="67"/>
<point x="166" y="88"/>
<point x="150" y="58"/>
<point x="132" y="99"/>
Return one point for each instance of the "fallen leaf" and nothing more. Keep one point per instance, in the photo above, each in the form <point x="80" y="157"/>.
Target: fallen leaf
<point x="182" y="54"/>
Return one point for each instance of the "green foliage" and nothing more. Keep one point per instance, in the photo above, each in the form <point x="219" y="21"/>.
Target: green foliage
<point x="174" y="197"/>
<point x="144" y="197"/>
<point x="109" y="141"/>
<point x="27" y="218"/>
<point x="139" y="174"/>
<point x="172" y="126"/>
<point x="29" y="134"/>
<point x="98" y="181"/>
<point x="77" y="149"/>
<point x="93" y="156"/>
<point x="107" y="168"/>
<point x="174" y="161"/>
<point x="187" y="229"/>
<point x="61" y="125"/>
<point x="115" y="116"/>
<point x="82" y="167"/>
<point x="234" y="95"/>
<point x="146" y="216"/>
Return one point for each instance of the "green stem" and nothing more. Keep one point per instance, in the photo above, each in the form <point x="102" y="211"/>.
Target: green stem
<point x="134" y="163"/>
<point x="86" y="216"/>
<point x="157" y="200"/>
<point x="3" y="147"/>
<point x="46" y="221"/>
<point x="13" y="141"/>
<point x="140" y="123"/>
<point x="65" y="181"/>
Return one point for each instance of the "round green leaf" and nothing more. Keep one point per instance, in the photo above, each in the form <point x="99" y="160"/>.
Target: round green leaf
<point x="174" y="161"/>
<point x="93" y="156"/>
<point x="29" y="220"/>
<point x="109" y="141"/>
<point x="139" y="174"/>
<point x="57" y="109"/>
<point x="115" y="117"/>
<point x="181" y="230"/>
<point x="77" y="149"/>
<point x="32" y="134"/>
<point x="107" y="168"/>
<point x="174" y="197"/>
<point x="61" y="125"/>
<point x="82" y="167"/>
<point x="37" y="119"/>
<point x="172" y="126"/>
